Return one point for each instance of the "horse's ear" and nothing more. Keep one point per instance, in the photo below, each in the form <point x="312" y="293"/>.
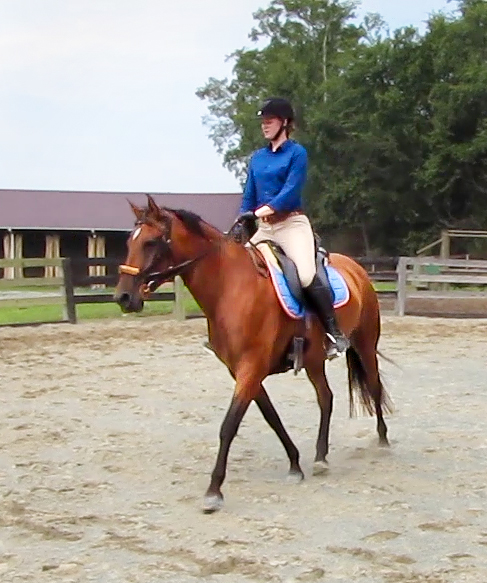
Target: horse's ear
<point x="138" y="212"/>
<point x="154" y="210"/>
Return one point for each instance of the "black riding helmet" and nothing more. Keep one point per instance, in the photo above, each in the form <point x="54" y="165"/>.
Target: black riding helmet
<point x="280" y="108"/>
<point x="277" y="107"/>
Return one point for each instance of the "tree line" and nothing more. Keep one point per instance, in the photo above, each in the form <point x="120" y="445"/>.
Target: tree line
<point x="395" y="122"/>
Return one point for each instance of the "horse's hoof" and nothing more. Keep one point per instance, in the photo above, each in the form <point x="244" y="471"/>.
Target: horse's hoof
<point x="320" y="467"/>
<point x="384" y="442"/>
<point x="295" y="477"/>
<point x="212" y="503"/>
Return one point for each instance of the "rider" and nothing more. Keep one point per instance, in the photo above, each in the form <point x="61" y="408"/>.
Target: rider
<point x="272" y="197"/>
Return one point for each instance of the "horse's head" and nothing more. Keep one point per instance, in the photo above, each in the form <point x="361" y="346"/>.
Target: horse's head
<point x="148" y="251"/>
<point x="163" y="243"/>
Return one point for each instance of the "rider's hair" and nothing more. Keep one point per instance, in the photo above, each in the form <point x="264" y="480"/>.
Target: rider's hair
<point x="290" y="128"/>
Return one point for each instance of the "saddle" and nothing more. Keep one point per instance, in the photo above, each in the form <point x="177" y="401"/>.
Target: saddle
<point x="274" y="254"/>
<point x="271" y="261"/>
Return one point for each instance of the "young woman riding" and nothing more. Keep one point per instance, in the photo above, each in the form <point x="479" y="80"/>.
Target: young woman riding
<point x="273" y="198"/>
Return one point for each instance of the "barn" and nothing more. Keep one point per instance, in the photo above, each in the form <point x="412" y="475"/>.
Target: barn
<point x="52" y="223"/>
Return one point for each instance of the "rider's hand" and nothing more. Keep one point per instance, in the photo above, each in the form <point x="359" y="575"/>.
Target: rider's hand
<point x="246" y="216"/>
<point x="244" y="227"/>
<point x="264" y="211"/>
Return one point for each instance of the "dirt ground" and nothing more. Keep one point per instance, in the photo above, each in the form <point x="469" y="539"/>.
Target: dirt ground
<point x="109" y="431"/>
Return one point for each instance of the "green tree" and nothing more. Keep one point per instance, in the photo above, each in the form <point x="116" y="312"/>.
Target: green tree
<point x="302" y="42"/>
<point x="394" y="124"/>
<point x="455" y="165"/>
<point x="370" y="136"/>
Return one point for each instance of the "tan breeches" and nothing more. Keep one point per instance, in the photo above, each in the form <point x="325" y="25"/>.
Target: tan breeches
<point x="295" y="236"/>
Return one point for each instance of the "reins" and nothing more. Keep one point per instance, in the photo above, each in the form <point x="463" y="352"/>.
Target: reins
<point x="153" y="279"/>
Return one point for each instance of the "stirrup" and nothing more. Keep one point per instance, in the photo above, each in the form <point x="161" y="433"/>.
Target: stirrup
<point x="333" y="350"/>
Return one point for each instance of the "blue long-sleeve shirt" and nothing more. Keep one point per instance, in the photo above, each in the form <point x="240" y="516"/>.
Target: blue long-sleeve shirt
<point x="276" y="178"/>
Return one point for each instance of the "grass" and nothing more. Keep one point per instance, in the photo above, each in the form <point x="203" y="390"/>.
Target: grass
<point x="50" y="309"/>
<point x="35" y="312"/>
<point x="27" y="288"/>
<point x="385" y="285"/>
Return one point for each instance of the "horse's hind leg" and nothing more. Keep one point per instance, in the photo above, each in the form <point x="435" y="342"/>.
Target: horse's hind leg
<point x="271" y="416"/>
<point x="316" y="374"/>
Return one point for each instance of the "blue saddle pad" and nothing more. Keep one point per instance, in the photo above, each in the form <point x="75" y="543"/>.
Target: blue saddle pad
<point x="341" y="293"/>
<point x="295" y="308"/>
<point x="290" y="304"/>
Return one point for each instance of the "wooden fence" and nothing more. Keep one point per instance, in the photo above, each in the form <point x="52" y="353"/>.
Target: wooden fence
<point x="37" y="282"/>
<point x="405" y="274"/>
<point x="427" y="271"/>
<point x="84" y="281"/>
<point x="78" y="284"/>
<point x="381" y="270"/>
<point x="69" y="296"/>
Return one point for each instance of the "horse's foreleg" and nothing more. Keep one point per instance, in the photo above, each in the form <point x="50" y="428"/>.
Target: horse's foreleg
<point x="317" y="376"/>
<point x="271" y="416"/>
<point x="213" y="497"/>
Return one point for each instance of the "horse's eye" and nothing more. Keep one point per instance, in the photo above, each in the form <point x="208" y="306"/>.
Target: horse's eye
<point x="151" y="243"/>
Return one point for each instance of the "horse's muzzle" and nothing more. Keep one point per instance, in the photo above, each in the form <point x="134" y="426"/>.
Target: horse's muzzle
<point x="128" y="303"/>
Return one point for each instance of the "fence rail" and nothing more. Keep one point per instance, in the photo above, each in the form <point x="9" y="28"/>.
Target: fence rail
<point x="30" y="281"/>
<point x="380" y="269"/>
<point x="40" y="282"/>
<point x="69" y="297"/>
<point x="75" y="276"/>
<point x="406" y="272"/>
<point x="431" y="270"/>
<point x="31" y="262"/>
<point x="176" y="295"/>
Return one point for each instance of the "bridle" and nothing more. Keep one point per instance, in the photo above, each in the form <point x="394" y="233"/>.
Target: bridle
<point x="151" y="280"/>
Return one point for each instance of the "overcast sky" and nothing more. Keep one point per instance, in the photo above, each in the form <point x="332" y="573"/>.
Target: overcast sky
<point x="100" y="94"/>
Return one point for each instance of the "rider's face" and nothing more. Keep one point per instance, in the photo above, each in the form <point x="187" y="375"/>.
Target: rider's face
<point x="270" y="126"/>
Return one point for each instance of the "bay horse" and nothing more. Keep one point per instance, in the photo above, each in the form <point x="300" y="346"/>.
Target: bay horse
<point x="248" y="329"/>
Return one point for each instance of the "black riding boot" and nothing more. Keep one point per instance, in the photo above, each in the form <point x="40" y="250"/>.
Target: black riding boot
<point x="320" y="297"/>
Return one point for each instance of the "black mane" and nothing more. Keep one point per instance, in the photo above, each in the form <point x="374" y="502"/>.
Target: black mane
<point x="192" y="221"/>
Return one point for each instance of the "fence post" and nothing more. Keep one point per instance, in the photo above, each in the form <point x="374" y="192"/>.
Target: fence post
<point x="401" y="285"/>
<point x="70" y="305"/>
<point x="445" y="244"/>
<point x="179" y="311"/>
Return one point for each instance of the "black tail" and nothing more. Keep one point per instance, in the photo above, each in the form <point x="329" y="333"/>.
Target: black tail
<point x="357" y="385"/>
